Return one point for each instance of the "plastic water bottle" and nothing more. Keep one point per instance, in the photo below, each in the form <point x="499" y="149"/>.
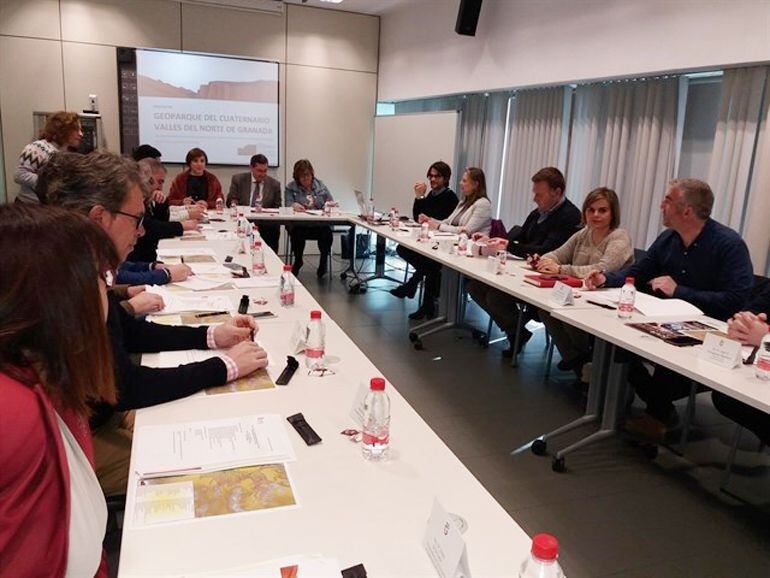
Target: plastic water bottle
<point x="762" y="367"/>
<point x="220" y="204"/>
<point x="376" y="426"/>
<point x="627" y="299"/>
<point x="328" y="209"/>
<point x="394" y="218"/>
<point x="233" y="209"/>
<point x="257" y="206"/>
<point x="315" y="341"/>
<point x="255" y="236"/>
<point x="286" y="290"/>
<point x="258" y="259"/>
<point x="542" y="561"/>
<point x="462" y="244"/>
<point x="424" y="228"/>
<point x="241" y="228"/>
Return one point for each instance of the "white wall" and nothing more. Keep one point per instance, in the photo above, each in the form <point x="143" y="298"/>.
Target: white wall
<point x="538" y="42"/>
<point x="54" y="53"/>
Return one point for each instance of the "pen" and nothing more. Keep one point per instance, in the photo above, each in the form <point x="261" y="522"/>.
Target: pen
<point x="604" y="305"/>
<point x="211" y="314"/>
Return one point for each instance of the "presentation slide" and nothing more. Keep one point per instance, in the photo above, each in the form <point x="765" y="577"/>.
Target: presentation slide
<point x="226" y="106"/>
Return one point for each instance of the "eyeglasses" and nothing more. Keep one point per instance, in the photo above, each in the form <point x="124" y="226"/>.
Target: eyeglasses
<point x="138" y="218"/>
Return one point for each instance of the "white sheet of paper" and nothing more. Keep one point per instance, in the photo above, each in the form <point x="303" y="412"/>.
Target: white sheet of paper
<point x="316" y="212"/>
<point x="175" y="303"/>
<point x="184" y="252"/>
<point x="209" y="269"/>
<point x="562" y="294"/>
<point x="721" y="351"/>
<point x="211" y="445"/>
<point x="445" y="545"/>
<point x="648" y="305"/>
<point x="177" y="358"/>
<point x="164" y="503"/>
<point x="201" y="283"/>
<point x="257" y="282"/>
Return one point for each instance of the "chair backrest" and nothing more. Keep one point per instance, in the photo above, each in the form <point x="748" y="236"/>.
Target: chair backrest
<point x="497" y="229"/>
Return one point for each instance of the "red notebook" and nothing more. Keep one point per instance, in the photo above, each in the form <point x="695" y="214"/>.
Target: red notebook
<point x="549" y="281"/>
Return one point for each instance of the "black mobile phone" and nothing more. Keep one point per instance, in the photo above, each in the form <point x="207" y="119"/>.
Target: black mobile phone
<point x="683" y="341"/>
<point x="229" y="259"/>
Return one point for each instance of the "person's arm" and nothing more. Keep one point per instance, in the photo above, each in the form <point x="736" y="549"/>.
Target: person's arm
<point x="479" y="219"/>
<point x="30" y="162"/>
<point x="732" y="286"/>
<point x="140" y="336"/>
<point x="177" y="193"/>
<point x="156" y="229"/>
<point x="233" y="193"/>
<point x="141" y="276"/>
<point x="324" y="194"/>
<point x="643" y="270"/>
<point x="564" y="254"/>
<point x="288" y="196"/>
<point x="616" y="254"/>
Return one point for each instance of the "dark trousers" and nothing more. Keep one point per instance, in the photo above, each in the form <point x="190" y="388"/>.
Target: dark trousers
<point x="659" y="390"/>
<point x="424" y="267"/>
<point x="751" y="418"/>
<point x="300" y="234"/>
<point x="501" y="307"/>
<point x="270" y="233"/>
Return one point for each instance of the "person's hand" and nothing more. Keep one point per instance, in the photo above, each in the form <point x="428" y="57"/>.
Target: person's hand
<point x="202" y="204"/>
<point x="240" y="328"/>
<point x="248" y="356"/>
<point x="189" y="225"/>
<point x="195" y="212"/>
<point x="187" y="201"/>
<point x="298" y="207"/>
<point x="665" y="285"/>
<point x="177" y="272"/>
<point x="145" y="303"/>
<point x="594" y="280"/>
<point x="433" y="224"/>
<point x="420" y="189"/>
<point x="747" y="328"/>
<point x="134" y="290"/>
<point x="423" y="218"/>
<point x="157" y="196"/>
<point x="532" y="260"/>
<point x="480" y="238"/>
<point x="547" y="266"/>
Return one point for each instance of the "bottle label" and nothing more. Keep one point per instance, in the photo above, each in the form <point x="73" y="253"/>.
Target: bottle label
<point x="371" y="439"/>
<point x="287" y="298"/>
<point x="314" y="353"/>
<point x="763" y="363"/>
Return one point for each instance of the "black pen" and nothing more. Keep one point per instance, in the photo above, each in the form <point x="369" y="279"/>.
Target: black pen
<point x="211" y="314"/>
<point x="604" y="305"/>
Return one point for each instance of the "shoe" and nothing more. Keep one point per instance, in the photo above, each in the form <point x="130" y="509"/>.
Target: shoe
<point x="526" y="335"/>
<point x="323" y="267"/>
<point x="647" y="427"/>
<point x="408" y="289"/>
<point x="425" y="311"/>
<point x="295" y="268"/>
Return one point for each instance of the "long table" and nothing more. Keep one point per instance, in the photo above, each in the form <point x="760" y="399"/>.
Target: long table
<point x="350" y="509"/>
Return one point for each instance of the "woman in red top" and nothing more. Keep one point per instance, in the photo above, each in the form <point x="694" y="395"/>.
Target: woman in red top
<point x="55" y="357"/>
<point x="196" y="184"/>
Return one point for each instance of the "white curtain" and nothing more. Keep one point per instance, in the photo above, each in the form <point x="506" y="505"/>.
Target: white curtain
<point x="482" y="137"/>
<point x="623" y="137"/>
<point x="756" y="228"/>
<point x="537" y="139"/>
<point x="734" y="141"/>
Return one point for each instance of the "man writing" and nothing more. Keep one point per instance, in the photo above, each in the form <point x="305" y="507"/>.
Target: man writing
<point x="696" y="259"/>
<point x="107" y="188"/>
<point x="546" y="228"/>
<point x="255" y="188"/>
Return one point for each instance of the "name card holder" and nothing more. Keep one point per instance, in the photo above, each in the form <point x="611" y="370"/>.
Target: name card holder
<point x="445" y="545"/>
<point x="721" y="351"/>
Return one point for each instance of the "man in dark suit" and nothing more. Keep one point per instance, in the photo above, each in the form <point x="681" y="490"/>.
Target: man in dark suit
<point x="254" y="188"/>
<point x="547" y="227"/>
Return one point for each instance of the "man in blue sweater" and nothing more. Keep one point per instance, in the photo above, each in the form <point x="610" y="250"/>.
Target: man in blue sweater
<point x="695" y="259"/>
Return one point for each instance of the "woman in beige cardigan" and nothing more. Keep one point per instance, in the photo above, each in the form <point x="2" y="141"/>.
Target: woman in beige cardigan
<point x="600" y="245"/>
<point x="472" y="215"/>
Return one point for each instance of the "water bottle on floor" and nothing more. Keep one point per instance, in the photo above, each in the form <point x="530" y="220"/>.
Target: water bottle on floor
<point x="376" y="426"/>
<point x="287" y="287"/>
<point x="315" y="341"/>
<point x="762" y="367"/>
<point x="627" y="299"/>
<point x="542" y="561"/>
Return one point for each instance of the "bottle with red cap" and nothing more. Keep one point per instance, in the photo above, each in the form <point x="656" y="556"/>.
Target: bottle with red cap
<point x="258" y="259"/>
<point x="286" y="291"/>
<point x="627" y="299"/>
<point x="542" y="561"/>
<point x="315" y="341"/>
<point x="376" y="426"/>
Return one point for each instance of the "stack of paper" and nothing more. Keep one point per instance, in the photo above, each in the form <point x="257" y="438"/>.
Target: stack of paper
<point x="201" y="283"/>
<point x="647" y="304"/>
<point x="205" y="446"/>
<point x="184" y="252"/>
<point x="175" y="303"/>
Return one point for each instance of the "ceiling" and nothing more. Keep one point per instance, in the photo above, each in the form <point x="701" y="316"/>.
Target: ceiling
<point x="376" y="7"/>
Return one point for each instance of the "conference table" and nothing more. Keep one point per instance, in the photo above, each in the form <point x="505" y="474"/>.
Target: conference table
<point x="349" y="509"/>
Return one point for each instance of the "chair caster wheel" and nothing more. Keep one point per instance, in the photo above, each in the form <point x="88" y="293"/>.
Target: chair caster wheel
<point x="539" y="447"/>
<point x="650" y="451"/>
<point x="413" y="337"/>
<point x="343" y="276"/>
<point x="558" y="465"/>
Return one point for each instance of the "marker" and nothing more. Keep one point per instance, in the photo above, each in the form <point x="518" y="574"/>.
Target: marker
<point x="211" y="314"/>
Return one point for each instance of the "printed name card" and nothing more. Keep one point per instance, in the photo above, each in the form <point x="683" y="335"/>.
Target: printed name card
<point x="562" y="294"/>
<point x="445" y="545"/>
<point x="721" y="351"/>
<point x="357" y="411"/>
<point x="297" y="340"/>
